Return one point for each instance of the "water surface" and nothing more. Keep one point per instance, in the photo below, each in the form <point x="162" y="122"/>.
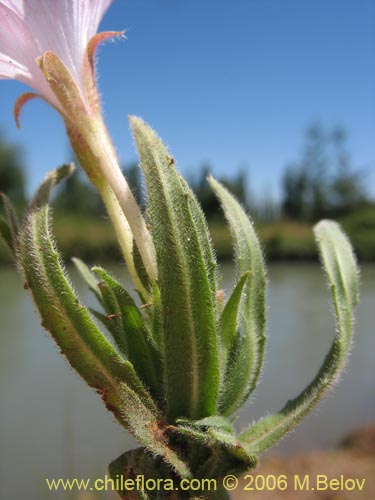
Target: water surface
<point x="52" y="425"/>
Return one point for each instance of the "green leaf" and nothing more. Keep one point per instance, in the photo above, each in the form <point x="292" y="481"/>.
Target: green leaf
<point x="89" y="277"/>
<point x="70" y="324"/>
<point x="185" y="275"/>
<point x="216" y="422"/>
<point x="217" y="449"/>
<point x="249" y="259"/>
<point x="138" y="462"/>
<point x="53" y="178"/>
<point x="229" y="320"/>
<point x="343" y="278"/>
<point x="126" y="324"/>
<point x="151" y="431"/>
<point x="201" y="227"/>
<point x="156" y="318"/>
<point x="235" y="382"/>
<point x="9" y="225"/>
<point x="340" y="265"/>
<point x="141" y="270"/>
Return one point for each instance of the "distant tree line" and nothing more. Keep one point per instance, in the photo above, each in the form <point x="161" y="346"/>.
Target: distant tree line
<point x="12" y="173"/>
<point x="321" y="183"/>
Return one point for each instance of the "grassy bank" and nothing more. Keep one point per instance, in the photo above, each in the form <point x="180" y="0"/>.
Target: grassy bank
<point x="354" y="458"/>
<point x="93" y="240"/>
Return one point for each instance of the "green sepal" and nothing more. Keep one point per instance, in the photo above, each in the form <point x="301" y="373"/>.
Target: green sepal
<point x="127" y="326"/>
<point x="343" y="277"/>
<point x="248" y="258"/>
<point x="9" y="227"/>
<point x="185" y="280"/>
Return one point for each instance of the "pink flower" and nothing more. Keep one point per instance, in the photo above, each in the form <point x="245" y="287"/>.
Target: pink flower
<point x="31" y="30"/>
<point x="50" y="46"/>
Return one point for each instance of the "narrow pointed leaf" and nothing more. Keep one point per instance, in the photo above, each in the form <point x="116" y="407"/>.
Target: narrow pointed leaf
<point x="141" y="270"/>
<point x="88" y="276"/>
<point x="342" y="273"/>
<point x="201" y="227"/>
<point x="156" y="318"/>
<point x="248" y="258"/>
<point x="70" y="324"/>
<point x="235" y="383"/>
<point x="185" y="281"/>
<point x="54" y="177"/>
<point x="229" y="319"/>
<point x="66" y="319"/>
<point x="130" y="332"/>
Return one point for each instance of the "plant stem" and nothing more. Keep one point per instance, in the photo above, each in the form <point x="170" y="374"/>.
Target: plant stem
<point x="123" y="233"/>
<point x="96" y="154"/>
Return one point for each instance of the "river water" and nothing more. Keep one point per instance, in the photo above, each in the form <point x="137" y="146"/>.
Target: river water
<point x="52" y="425"/>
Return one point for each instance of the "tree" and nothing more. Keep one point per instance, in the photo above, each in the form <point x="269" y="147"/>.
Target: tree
<point x="12" y="174"/>
<point x="77" y="196"/>
<point x="206" y="196"/>
<point x="348" y="190"/>
<point x="315" y="163"/>
<point x="323" y="183"/>
<point x="294" y="187"/>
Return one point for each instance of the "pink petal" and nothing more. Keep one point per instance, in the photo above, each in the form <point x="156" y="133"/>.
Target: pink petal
<point x="29" y="28"/>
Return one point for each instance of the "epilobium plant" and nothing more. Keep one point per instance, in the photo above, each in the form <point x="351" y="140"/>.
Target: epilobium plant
<point x="184" y="361"/>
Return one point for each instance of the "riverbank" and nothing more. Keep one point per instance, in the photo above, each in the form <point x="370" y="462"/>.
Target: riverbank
<point x="64" y="415"/>
<point x="93" y="240"/>
<point x="352" y="465"/>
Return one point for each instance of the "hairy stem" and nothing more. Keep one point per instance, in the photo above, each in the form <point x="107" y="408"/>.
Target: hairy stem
<point x="123" y="233"/>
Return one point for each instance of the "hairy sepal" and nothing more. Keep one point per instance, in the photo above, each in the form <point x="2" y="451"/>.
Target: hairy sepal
<point x="185" y="280"/>
<point x="343" y="278"/>
<point x="248" y="259"/>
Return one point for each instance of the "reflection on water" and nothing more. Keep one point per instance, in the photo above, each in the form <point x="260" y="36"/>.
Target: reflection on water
<point x="52" y="425"/>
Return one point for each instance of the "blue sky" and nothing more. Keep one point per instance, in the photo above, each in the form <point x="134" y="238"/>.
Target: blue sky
<point x="230" y="82"/>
